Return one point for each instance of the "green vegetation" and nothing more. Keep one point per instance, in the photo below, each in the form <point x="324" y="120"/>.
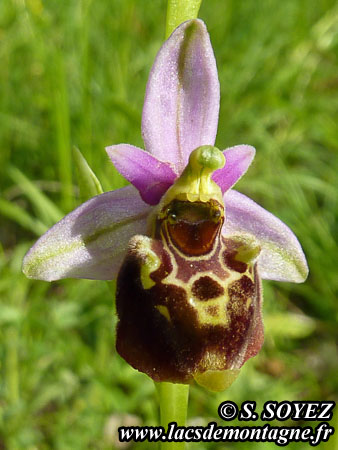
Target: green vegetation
<point x="73" y="73"/>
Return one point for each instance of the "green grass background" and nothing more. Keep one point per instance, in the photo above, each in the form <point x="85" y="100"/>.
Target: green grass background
<point x="73" y="72"/>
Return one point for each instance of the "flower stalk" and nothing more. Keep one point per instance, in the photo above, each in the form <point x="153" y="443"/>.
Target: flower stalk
<point x="179" y="11"/>
<point x="173" y="400"/>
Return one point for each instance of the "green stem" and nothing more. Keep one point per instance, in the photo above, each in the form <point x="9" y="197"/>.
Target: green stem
<point x="173" y="408"/>
<point x="179" y="11"/>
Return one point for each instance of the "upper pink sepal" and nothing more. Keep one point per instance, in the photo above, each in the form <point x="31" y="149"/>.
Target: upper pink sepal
<point x="149" y="175"/>
<point x="181" y="106"/>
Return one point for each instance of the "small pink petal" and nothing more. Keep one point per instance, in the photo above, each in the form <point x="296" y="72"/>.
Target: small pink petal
<point x="91" y="241"/>
<point x="237" y="162"/>
<point x="181" y="105"/>
<point x="281" y="257"/>
<point x="149" y="175"/>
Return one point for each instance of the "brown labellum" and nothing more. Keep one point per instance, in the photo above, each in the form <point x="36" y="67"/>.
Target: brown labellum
<point x="188" y="303"/>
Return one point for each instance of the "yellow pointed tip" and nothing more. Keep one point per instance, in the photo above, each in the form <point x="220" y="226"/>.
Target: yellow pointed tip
<point x="217" y="380"/>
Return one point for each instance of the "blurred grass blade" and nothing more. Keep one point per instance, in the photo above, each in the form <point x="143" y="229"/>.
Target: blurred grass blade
<point x="46" y="210"/>
<point x="20" y="216"/>
<point x="88" y="182"/>
<point x="59" y="88"/>
<point x="290" y="325"/>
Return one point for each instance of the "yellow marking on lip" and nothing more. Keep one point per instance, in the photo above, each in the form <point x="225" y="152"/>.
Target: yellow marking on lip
<point x="162" y="309"/>
<point x="150" y="262"/>
<point x="220" y="318"/>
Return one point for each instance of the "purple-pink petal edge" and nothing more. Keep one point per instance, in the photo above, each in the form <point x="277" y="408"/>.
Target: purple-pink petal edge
<point x="150" y="176"/>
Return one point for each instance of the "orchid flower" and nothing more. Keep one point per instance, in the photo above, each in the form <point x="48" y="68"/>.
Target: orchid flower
<point x="188" y="250"/>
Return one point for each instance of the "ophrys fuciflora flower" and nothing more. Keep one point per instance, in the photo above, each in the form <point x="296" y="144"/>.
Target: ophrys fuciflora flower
<point x="194" y="250"/>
